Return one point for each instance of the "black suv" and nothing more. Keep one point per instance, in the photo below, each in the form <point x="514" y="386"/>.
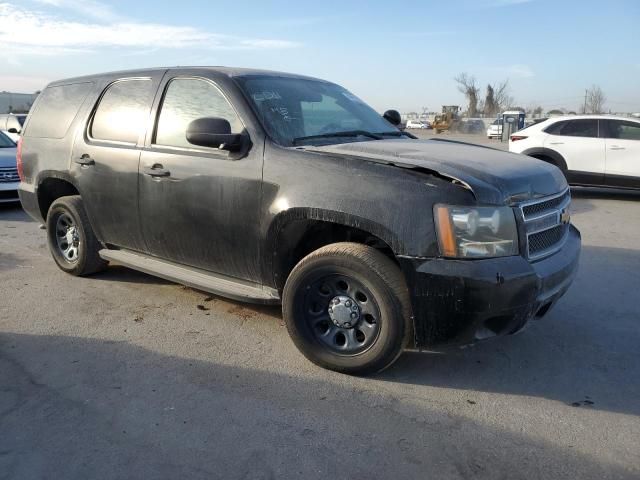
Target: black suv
<point x="276" y="188"/>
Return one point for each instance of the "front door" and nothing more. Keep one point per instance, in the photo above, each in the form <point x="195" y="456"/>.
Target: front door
<point x="200" y="206"/>
<point x="106" y="155"/>
<point x="623" y="153"/>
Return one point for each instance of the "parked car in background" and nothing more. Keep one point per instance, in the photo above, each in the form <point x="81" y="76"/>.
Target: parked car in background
<point x="470" y="126"/>
<point x="596" y="150"/>
<point x="9" y="179"/>
<point x="11" y="124"/>
<point x="420" y="124"/>
<point x="495" y="129"/>
<point x="276" y="188"/>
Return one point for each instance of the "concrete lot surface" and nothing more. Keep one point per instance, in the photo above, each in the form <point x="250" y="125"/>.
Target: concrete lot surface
<point x="123" y="375"/>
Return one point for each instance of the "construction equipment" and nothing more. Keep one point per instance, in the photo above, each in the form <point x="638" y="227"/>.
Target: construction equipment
<point x="447" y="119"/>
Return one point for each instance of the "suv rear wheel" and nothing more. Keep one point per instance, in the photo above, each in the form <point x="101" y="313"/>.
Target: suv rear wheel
<point x="72" y="242"/>
<point x="346" y="307"/>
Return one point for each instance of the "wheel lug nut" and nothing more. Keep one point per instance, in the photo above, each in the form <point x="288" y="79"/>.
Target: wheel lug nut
<point x="347" y="324"/>
<point x="354" y="314"/>
<point x="347" y="303"/>
<point x="354" y="308"/>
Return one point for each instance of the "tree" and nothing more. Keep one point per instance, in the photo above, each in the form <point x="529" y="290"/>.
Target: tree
<point x="467" y="86"/>
<point x="490" y="107"/>
<point x="537" y="111"/>
<point x="595" y="100"/>
<point x="501" y="96"/>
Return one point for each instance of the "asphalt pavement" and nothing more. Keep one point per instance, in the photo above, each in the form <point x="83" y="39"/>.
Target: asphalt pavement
<point x="126" y="376"/>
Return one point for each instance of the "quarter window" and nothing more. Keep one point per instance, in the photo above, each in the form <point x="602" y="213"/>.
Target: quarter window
<point x="185" y="100"/>
<point x="624" y="130"/>
<point x="123" y="111"/>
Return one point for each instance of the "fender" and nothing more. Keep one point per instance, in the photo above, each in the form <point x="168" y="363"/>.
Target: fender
<point x="558" y="160"/>
<point x="287" y="217"/>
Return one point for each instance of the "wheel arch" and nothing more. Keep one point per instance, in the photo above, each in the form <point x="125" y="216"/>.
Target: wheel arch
<point x="51" y="186"/>
<point x="299" y="231"/>
<point x="547" y="155"/>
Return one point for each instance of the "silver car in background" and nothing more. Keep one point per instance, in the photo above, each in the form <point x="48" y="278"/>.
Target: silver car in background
<point x="9" y="178"/>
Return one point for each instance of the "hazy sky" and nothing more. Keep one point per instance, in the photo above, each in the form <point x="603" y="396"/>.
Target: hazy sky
<point x="392" y="54"/>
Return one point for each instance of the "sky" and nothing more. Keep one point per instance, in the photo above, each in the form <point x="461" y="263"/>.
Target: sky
<point x="401" y="55"/>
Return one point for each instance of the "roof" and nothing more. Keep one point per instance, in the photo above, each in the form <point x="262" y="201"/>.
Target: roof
<point x="229" y="71"/>
<point x="591" y="116"/>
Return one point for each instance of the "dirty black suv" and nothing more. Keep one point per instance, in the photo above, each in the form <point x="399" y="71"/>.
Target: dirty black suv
<point x="276" y="188"/>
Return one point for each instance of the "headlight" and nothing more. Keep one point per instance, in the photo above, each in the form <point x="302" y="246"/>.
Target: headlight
<point x="476" y="232"/>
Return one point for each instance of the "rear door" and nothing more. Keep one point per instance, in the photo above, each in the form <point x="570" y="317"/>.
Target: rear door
<point x="106" y="155"/>
<point x="623" y="153"/>
<point x="579" y="144"/>
<point x="203" y="211"/>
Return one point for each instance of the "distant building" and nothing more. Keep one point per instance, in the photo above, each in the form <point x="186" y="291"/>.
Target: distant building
<point x="16" y="102"/>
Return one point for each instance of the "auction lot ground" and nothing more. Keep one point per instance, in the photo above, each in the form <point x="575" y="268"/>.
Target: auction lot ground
<point x="123" y="375"/>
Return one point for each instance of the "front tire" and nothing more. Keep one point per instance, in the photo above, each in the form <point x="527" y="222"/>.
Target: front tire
<point x="71" y="240"/>
<point x="346" y="307"/>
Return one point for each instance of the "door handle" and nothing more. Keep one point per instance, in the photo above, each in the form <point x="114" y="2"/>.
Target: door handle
<point x="556" y="143"/>
<point x="156" y="170"/>
<point x="85" y="160"/>
<point x="615" y="147"/>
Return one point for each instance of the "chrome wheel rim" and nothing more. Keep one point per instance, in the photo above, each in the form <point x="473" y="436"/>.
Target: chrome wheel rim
<point x="342" y="314"/>
<point x="67" y="238"/>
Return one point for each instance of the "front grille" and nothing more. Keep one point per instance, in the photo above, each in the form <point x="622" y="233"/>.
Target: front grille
<point x="546" y="224"/>
<point x="9" y="175"/>
<point x="542" y="241"/>
<point x="533" y="209"/>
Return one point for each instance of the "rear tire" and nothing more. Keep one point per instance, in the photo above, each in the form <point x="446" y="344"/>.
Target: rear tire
<point x="343" y="283"/>
<point x="71" y="240"/>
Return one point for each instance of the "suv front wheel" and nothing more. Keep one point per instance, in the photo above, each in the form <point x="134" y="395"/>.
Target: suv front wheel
<point x="72" y="242"/>
<point x="346" y="307"/>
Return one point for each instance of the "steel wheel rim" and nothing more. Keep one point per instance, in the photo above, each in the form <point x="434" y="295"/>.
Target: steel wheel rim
<point x="328" y="328"/>
<point x="67" y="237"/>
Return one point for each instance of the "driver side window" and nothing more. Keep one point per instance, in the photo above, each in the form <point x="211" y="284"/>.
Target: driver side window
<point x="185" y="100"/>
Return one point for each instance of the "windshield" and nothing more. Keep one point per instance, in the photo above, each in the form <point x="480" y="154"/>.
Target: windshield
<point x="6" y="142"/>
<point x="292" y="109"/>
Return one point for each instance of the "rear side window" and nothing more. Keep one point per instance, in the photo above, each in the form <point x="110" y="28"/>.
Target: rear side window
<point x="123" y="111"/>
<point x="55" y="110"/>
<point x="554" y="129"/>
<point x="623" y="130"/>
<point x="188" y="99"/>
<point x="575" y="128"/>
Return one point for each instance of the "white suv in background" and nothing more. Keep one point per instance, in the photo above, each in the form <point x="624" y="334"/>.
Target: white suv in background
<point x="594" y="150"/>
<point x="11" y="125"/>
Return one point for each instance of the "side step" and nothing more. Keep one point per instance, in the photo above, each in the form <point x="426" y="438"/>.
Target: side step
<point x="193" y="277"/>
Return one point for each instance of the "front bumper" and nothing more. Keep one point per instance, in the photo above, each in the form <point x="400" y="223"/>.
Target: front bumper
<point x="9" y="192"/>
<point x="462" y="301"/>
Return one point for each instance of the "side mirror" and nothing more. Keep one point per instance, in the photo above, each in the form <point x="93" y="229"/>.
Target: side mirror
<point x="13" y="130"/>
<point x="393" y="117"/>
<point x="213" y="132"/>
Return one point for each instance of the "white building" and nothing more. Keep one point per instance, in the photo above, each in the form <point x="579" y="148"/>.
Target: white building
<point x="16" y="102"/>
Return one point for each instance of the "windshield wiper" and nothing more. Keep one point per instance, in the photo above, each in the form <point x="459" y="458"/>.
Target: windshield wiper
<point x="399" y="133"/>
<point x="349" y="133"/>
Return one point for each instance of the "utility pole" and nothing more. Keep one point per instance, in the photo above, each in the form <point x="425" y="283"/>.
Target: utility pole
<point x="584" y="109"/>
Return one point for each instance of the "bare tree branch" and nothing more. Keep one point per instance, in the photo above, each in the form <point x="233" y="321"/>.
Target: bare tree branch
<point x="467" y="86"/>
<point x="595" y="100"/>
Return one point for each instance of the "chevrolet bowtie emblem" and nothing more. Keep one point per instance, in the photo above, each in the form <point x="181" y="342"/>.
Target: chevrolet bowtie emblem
<point x="565" y="217"/>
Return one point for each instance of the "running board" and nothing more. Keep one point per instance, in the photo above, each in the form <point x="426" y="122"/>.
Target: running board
<point x="193" y="277"/>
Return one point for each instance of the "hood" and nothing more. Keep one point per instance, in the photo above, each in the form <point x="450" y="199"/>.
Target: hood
<point x="8" y="157"/>
<point x="495" y="177"/>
